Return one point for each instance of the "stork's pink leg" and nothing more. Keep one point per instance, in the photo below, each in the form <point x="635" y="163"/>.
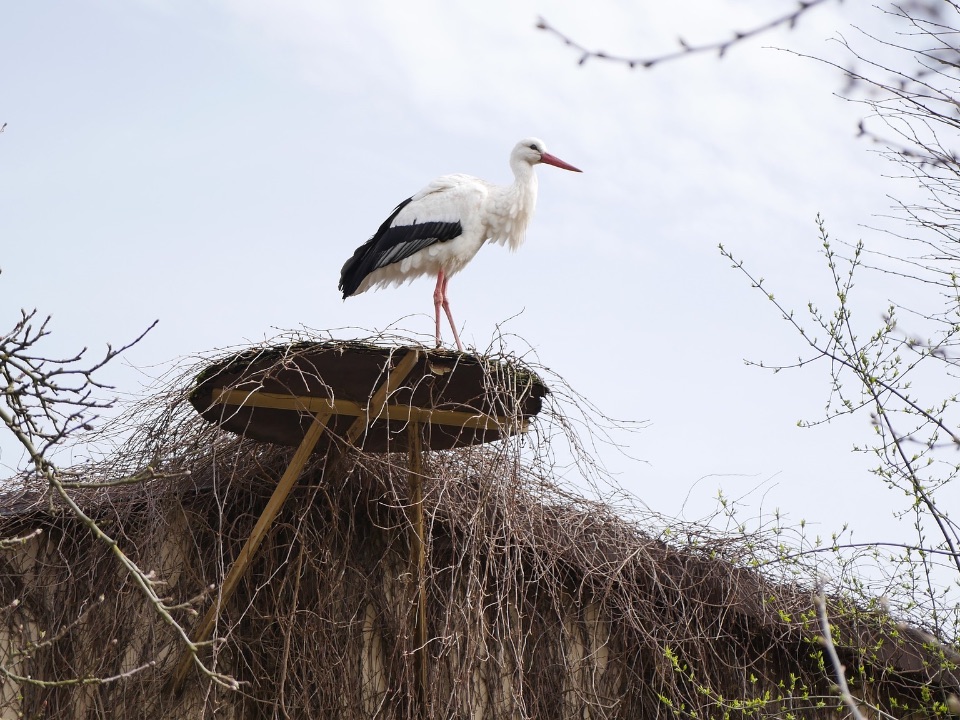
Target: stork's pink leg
<point x="446" y="308"/>
<point x="438" y="301"/>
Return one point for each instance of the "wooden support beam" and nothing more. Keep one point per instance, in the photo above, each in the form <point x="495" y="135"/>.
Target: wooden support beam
<point x="243" y="560"/>
<point x="418" y="560"/>
<point x="403" y="413"/>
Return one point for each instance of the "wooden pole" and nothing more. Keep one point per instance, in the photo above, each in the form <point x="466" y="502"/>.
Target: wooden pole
<point x="240" y="565"/>
<point x="418" y="559"/>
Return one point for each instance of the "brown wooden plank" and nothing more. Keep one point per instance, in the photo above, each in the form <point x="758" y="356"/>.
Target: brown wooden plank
<point x="418" y="559"/>
<point x="425" y="416"/>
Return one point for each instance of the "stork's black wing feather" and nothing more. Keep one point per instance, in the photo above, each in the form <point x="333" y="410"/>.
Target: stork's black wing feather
<point x="393" y="244"/>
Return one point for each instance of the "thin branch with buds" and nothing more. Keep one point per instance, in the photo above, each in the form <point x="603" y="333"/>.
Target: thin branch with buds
<point x="873" y="383"/>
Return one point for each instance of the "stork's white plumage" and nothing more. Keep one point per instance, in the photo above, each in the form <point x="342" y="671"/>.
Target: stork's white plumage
<point x="440" y="229"/>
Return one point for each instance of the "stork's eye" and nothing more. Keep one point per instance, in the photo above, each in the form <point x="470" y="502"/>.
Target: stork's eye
<point x="533" y="146"/>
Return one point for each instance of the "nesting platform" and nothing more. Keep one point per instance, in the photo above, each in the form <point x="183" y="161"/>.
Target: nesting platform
<point x="369" y="397"/>
<point x="272" y="395"/>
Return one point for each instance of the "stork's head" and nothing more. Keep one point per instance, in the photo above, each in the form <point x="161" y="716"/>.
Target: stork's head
<point x="533" y="151"/>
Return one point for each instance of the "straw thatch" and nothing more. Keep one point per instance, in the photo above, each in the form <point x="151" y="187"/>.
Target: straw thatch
<point x="541" y="604"/>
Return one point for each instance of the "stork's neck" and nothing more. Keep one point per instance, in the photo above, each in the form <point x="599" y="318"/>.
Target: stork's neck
<point x="525" y="184"/>
<point x="513" y="205"/>
<point x="525" y="179"/>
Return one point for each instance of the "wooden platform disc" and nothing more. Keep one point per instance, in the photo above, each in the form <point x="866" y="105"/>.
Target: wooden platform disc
<point x="270" y="394"/>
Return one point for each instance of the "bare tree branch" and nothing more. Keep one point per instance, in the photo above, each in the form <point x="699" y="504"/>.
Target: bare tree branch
<point x="719" y="47"/>
<point x="45" y="401"/>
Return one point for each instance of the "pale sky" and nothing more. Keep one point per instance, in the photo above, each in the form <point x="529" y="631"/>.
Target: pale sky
<point x="213" y="164"/>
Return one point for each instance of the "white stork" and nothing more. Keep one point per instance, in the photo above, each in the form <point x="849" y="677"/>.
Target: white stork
<point x="440" y="229"/>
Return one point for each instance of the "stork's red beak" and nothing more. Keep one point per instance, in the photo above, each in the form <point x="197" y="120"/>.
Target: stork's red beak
<point x="557" y="162"/>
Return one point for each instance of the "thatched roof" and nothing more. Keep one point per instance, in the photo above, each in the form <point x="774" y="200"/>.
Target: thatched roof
<point x="541" y="603"/>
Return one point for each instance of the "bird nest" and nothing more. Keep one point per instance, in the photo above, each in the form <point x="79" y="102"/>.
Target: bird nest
<point x="540" y="601"/>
